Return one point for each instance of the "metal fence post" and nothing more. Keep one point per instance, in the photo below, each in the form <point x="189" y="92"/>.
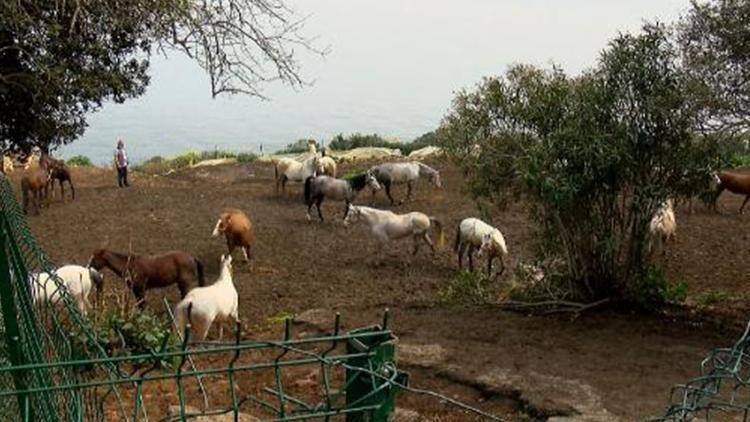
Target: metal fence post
<point x="364" y="388"/>
<point x="12" y="333"/>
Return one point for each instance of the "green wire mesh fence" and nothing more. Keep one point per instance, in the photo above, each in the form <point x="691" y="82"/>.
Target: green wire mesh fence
<point x="53" y="365"/>
<point x="720" y="392"/>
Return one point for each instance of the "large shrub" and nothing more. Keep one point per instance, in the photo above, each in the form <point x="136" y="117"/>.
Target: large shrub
<point x="594" y="155"/>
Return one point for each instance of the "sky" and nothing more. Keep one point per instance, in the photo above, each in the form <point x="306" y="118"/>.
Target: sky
<point x="393" y="68"/>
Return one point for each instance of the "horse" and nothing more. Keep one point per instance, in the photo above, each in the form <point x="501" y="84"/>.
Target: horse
<point x="387" y="225"/>
<point x="328" y="166"/>
<point x="35" y="187"/>
<point x="320" y="187"/>
<point x="737" y="183"/>
<point x="7" y="165"/>
<point x="662" y="228"/>
<point x="75" y="279"/>
<point x="59" y="171"/>
<point x="143" y="272"/>
<point x="398" y="173"/>
<point x="473" y="234"/>
<point x="237" y="229"/>
<point x="291" y="169"/>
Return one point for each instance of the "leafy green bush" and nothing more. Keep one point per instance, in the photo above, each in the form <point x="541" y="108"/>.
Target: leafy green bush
<point x="467" y="288"/>
<point x="298" y="147"/>
<point x="79" y="161"/>
<point x="135" y="333"/>
<point x="652" y="290"/>
<point x="357" y="140"/>
<point x="246" y="157"/>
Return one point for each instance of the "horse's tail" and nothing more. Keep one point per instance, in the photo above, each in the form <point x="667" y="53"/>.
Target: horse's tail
<point x="199" y="272"/>
<point x="439" y="231"/>
<point x="308" y="189"/>
<point x="182" y="314"/>
<point x="458" y="238"/>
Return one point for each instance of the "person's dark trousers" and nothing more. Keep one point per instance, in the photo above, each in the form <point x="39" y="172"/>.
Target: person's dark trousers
<point x="122" y="176"/>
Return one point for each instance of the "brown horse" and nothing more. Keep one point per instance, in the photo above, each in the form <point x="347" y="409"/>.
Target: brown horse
<point x="59" y="171"/>
<point x="733" y="182"/>
<point x="34" y="187"/>
<point x="143" y="272"/>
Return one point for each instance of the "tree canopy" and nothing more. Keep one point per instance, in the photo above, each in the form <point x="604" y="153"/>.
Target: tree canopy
<point x="60" y="60"/>
<point x="715" y="43"/>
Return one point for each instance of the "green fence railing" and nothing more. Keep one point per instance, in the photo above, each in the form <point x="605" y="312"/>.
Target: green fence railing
<point x="53" y="367"/>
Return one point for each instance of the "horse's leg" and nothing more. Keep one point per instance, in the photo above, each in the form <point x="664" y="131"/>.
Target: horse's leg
<point x="426" y="237"/>
<point x="489" y="265"/>
<point x="346" y="211"/>
<point x="72" y="190"/>
<point x="283" y="184"/>
<point x="460" y="250"/>
<point x="230" y="245"/>
<point x="317" y="205"/>
<point x="409" y="187"/>
<point x="719" y="190"/>
<point x="388" y="192"/>
<point x="416" y="244"/>
<point x="744" y="203"/>
<point x="246" y="252"/>
<point x="140" y="295"/>
<point x="471" y="257"/>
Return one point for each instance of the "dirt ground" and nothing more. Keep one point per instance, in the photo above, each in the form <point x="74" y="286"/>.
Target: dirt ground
<point x="603" y="365"/>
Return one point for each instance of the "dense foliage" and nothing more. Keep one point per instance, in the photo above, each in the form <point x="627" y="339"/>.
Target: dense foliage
<point x="299" y="146"/>
<point x="715" y="42"/>
<point x="79" y="161"/>
<point x="60" y="60"/>
<point x="594" y="155"/>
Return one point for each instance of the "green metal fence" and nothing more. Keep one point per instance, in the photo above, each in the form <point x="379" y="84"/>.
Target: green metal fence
<point x="720" y="392"/>
<point x="53" y="367"/>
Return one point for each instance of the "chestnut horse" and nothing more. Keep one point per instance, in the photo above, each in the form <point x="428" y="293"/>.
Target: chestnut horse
<point x="733" y="182"/>
<point x="59" y="171"/>
<point x="34" y="186"/>
<point x="143" y="272"/>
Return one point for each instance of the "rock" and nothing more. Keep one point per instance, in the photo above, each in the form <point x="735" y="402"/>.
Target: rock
<point x="227" y="417"/>
<point x="407" y="415"/>
<point x="423" y="355"/>
<point x="321" y="319"/>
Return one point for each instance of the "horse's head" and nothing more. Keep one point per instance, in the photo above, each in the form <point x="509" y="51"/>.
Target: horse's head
<point x="222" y="224"/>
<point x="372" y="181"/>
<point x="487" y="245"/>
<point x="226" y="262"/>
<point x="97" y="260"/>
<point x="353" y="214"/>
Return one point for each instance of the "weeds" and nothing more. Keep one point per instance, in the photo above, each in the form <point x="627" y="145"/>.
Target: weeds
<point x="468" y="288"/>
<point x="79" y="161"/>
<point x="710" y="297"/>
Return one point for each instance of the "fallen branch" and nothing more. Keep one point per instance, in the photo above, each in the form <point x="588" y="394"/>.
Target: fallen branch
<point x="554" y="306"/>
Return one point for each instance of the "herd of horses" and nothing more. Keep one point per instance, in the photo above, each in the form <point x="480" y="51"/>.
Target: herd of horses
<point x="219" y="300"/>
<point x="38" y="180"/>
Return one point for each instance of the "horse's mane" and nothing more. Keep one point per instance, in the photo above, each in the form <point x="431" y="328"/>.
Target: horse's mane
<point x="358" y="182"/>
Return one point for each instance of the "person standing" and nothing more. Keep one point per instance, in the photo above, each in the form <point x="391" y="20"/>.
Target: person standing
<point x="121" y="164"/>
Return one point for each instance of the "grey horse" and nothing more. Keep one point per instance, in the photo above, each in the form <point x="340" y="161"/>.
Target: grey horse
<point x="321" y="187"/>
<point x="398" y="173"/>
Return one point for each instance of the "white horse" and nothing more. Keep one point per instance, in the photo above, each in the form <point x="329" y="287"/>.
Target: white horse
<point x="662" y="228"/>
<point x="77" y="280"/>
<point x="474" y="234"/>
<point x="291" y="169"/>
<point x="386" y="226"/>
<point x="328" y="166"/>
<point x="399" y="173"/>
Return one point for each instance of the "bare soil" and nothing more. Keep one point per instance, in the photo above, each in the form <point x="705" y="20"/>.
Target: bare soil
<point x="617" y="363"/>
